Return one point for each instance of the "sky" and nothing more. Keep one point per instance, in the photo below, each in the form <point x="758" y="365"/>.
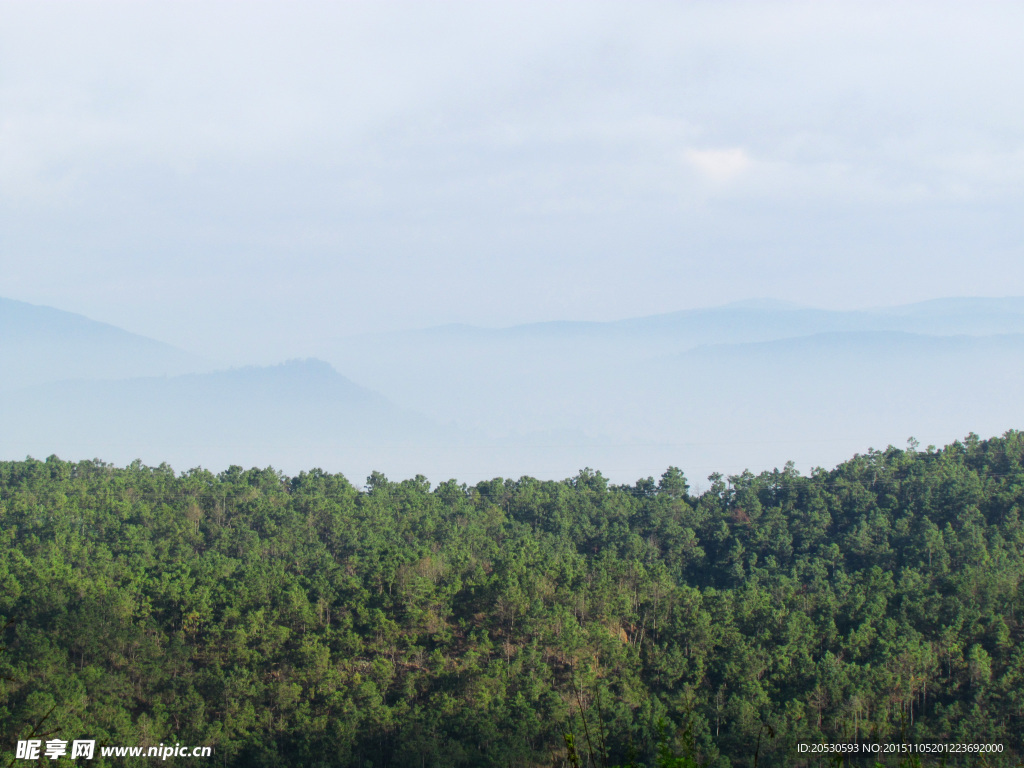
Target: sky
<point x="246" y="180"/>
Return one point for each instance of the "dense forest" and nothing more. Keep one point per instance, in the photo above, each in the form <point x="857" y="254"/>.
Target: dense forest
<point x="306" y="621"/>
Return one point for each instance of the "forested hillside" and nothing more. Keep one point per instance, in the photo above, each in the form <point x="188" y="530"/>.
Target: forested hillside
<point x="305" y="621"/>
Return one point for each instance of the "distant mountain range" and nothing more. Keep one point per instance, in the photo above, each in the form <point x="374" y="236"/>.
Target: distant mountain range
<point x="495" y="377"/>
<point x="41" y="344"/>
<point x="302" y="410"/>
<point x="745" y="385"/>
<point x="737" y="323"/>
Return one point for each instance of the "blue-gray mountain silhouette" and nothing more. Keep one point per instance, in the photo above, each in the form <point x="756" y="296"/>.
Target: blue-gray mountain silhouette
<point x="40" y="344"/>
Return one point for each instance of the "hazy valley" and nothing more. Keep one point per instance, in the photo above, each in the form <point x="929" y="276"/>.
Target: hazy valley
<point x="750" y="385"/>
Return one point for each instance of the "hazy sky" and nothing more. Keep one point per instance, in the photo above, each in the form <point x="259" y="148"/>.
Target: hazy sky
<point x="242" y="179"/>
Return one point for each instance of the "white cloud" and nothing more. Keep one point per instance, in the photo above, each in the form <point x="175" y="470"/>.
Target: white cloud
<point x="719" y="165"/>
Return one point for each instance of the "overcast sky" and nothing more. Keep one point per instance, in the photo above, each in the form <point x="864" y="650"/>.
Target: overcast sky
<point x="242" y="179"/>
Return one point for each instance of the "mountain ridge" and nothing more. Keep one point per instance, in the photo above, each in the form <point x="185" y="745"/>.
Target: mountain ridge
<point x="50" y="344"/>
